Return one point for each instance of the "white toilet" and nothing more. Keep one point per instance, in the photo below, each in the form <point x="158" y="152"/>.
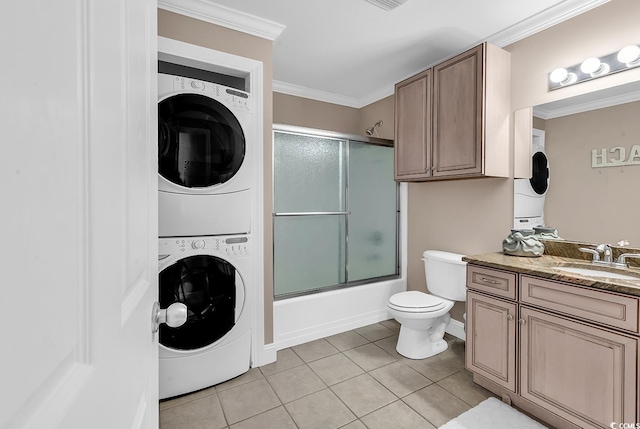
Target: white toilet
<point x="424" y="316"/>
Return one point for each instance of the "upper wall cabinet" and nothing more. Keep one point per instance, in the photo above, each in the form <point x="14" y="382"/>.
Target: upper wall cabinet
<point x="452" y="121"/>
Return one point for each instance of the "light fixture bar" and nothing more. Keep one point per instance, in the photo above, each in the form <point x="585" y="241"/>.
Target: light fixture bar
<point x="593" y="68"/>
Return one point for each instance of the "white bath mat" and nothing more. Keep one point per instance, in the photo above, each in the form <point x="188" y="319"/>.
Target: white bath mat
<point x="492" y="414"/>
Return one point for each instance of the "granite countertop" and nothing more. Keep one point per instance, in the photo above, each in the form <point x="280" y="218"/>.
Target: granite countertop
<point x="543" y="266"/>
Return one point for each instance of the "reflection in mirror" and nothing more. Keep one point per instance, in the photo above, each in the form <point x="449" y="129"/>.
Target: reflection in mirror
<point x="593" y="146"/>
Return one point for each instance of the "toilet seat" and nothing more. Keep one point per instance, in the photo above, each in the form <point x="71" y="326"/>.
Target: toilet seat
<point x="416" y="302"/>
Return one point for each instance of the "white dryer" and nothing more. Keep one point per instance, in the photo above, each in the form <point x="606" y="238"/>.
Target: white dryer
<point x="212" y="276"/>
<point x="205" y="158"/>
<point x="529" y="194"/>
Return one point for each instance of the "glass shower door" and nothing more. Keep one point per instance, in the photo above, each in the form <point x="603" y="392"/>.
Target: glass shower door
<point x="373" y="247"/>
<point x="310" y="213"/>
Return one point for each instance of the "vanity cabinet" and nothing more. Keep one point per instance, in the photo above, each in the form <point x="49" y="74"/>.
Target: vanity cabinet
<point x="491" y="339"/>
<point x="565" y="353"/>
<point x="452" y="121"/>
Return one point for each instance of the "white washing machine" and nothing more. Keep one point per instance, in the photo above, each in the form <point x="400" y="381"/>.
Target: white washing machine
<point x="206" y="143"/>
<point x="529" y="194"/>
<point x="212" y="276"/>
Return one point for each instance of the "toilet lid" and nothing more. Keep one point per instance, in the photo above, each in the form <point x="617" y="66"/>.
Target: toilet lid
<point x="415" y="299"/>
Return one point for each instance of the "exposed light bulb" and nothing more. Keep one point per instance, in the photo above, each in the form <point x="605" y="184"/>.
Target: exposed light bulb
<point x="562" y="76"/>
<point x="629" y="55"/>
<point x="558" y="75"/>
<point x="594" y="67"/>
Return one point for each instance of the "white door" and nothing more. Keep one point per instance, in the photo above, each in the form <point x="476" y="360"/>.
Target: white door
<point x="78" y="214"/>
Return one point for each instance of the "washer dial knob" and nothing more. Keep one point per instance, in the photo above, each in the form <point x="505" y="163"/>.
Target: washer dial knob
<point x="197" y="244"/>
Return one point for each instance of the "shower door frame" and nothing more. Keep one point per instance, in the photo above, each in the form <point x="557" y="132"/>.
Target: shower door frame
<point x="313" y="132"/>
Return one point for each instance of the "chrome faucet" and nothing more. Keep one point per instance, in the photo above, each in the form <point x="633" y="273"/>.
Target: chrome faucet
<point x="595" y="253"/>
<point x="608" y="255"/>
<point x="622" y="259"/>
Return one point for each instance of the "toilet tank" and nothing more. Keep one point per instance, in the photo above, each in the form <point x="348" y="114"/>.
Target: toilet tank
<point x="446" y="274"/>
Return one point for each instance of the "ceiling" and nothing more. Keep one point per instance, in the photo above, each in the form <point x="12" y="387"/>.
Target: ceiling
<point x="352" y="52"/>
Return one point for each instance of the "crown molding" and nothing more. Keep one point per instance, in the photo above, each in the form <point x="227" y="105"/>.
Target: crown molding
<point x="205" y="10"/>
<point x="550" y="113"/>
<point x="543" y="20"/>
<point x="314" y="94"/>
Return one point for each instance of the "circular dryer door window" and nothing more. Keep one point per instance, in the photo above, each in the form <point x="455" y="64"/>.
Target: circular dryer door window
<point x="200" y="142"/>
<point x="207" y="286"/>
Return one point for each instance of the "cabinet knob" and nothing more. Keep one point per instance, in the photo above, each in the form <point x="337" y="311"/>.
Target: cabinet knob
<point x="522" y="321"/>
<point x="509" y="317"/>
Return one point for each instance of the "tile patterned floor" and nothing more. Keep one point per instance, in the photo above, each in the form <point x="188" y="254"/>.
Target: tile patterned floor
<point x="352" y="380"/>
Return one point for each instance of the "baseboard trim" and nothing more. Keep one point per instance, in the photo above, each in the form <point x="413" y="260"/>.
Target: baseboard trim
<point x="269" y="355"/>
<point x="456" y="328"/>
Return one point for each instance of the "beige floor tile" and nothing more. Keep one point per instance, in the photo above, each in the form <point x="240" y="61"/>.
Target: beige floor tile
<point x="461" y="385"/>
<point x="400" y="378"/>
<point x="397" y="415"/>
<point x="315" y="350"/>
<point x="320" y="410"/>
<point x="356" y="424"/>
<point x="286" y="359"/>
<point x="295" y="383"/>
<point x="165" y="404"/>
<point x="347" y="340"/>
<point x="456" y="350"/>
<point x="249" y="376"/>
<point x="436" y="404"/>
<point x="369" y="356"/>
<point x="375" y="332"/>
<point x="278" y="418"/>
<point x="391" y="324"/>
<point x="247" y="400"/>
<point x="335" y="369"/>
<point x="204" y="413"/>
<point x="389" y="345"/>
<point x="437" y="367"/>
<point x="363" y="394"/>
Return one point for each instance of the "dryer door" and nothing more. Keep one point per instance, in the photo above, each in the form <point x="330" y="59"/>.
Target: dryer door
<point x="200" y="142"/>
<point x="209" y="288"/>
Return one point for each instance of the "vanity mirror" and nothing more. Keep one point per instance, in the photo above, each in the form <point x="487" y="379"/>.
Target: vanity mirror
<point x="593" y="145"/>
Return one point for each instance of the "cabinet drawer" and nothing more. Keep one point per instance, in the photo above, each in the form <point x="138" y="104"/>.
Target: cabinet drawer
<point x="492" y="281"/>
<point x="588" y="304"/>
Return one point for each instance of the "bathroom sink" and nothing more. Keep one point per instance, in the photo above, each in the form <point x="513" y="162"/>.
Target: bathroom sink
<point x="603" y="273"/>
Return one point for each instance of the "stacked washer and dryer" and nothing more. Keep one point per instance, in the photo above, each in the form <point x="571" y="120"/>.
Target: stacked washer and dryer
<point x="206" y="172"/>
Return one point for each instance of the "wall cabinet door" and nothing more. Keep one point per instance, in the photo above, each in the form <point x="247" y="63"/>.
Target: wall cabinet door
<point x="457" y="114"/>
<point x="452" y="121"/>
<point x="413" y="128"/>
<point x="491" y="339"/>
<point x="584" y="374"/>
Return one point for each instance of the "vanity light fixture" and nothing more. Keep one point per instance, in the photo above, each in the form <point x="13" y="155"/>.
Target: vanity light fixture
<point x="630" y="55"/>
<point x="592" y="68"/>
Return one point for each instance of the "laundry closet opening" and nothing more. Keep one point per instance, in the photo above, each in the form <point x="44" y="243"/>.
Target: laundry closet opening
<point x="336" y="211"/>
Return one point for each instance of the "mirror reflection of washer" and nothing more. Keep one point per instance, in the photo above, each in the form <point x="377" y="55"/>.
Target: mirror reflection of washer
<point x="205" y="157"/>
<point x="212" y="277"/>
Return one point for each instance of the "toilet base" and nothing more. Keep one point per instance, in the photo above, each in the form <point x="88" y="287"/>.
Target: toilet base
<point x="423" y="343"/>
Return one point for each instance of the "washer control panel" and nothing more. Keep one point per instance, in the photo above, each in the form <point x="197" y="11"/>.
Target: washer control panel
<point x="229" y="246"/>
<point x="230" y="96"/>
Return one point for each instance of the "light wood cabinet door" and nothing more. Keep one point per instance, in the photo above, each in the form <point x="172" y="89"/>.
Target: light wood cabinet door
<point x="584" y="374"/>
<point x="413" y="128"/>
<point x="491" y="339"/>
<point x="458" y="98"/>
